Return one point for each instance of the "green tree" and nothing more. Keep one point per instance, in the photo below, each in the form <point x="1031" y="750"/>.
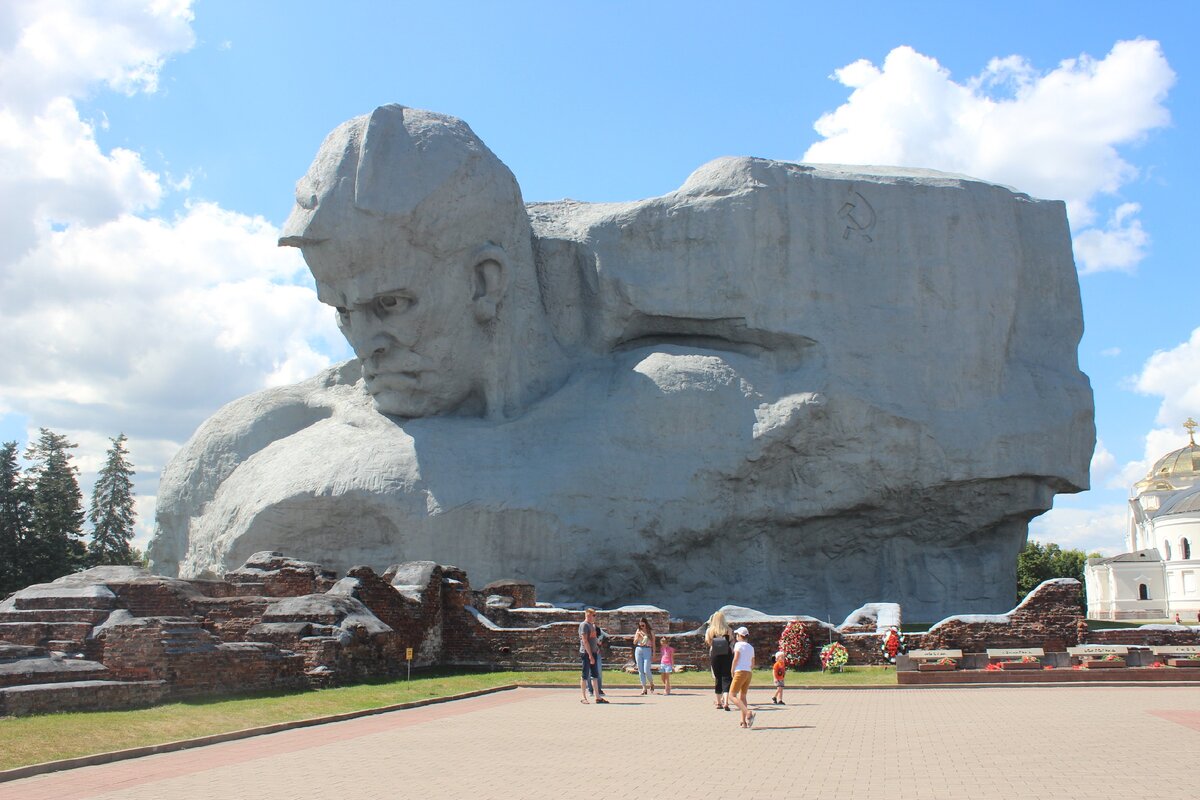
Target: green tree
<point x="14" y="521"/>
<point x="112" y="514"/>
<point x="55" y="545"/>
<point x="1040" y="562"/>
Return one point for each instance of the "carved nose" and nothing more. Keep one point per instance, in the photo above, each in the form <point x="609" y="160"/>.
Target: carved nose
<point x="375" y="344"/>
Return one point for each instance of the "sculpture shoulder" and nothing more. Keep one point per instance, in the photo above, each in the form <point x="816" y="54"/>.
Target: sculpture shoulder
<point x="245" y="426"/>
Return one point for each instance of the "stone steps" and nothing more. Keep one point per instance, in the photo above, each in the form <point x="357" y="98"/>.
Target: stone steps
<point x="71" y="635"/>
<point x="57" y="617"/>
<point x="93" y="616"/>
<point x="16" y="652"/>
<point x="180" y="638"/>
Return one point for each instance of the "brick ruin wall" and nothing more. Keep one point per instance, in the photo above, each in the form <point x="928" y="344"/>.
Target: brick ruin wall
<point x="178" y="638"/>
<point x="1048" y="618"/>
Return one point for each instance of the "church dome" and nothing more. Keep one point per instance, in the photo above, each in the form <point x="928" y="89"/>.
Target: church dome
<point x="1178" y="469"/>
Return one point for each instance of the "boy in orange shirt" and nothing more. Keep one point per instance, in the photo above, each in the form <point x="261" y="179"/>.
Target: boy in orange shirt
<point x="779" y="670"/>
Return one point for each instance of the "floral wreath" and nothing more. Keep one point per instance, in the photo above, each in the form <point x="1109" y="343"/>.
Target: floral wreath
<point x="795" y="644"/>
<point x="892" y="644"/>
<point x="834" y="656"/>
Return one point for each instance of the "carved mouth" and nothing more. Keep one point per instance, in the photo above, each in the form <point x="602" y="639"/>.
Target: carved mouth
<point x="384" y="381"/>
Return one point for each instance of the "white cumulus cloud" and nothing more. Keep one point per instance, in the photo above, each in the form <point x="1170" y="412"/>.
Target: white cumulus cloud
<point x="1103" y="464"/>
<point x="152" y="323"/>
<point x="1120" y="245"/>
<point x="1092" y="530"/>
<point x="64" y="48"/>
<point x="1054" y="134"/>
<point x="115" y="318"/>
<point x="1174" y="376"/>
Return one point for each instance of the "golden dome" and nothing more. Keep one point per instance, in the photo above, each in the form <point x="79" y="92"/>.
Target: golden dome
<point x="1176" y="470"/>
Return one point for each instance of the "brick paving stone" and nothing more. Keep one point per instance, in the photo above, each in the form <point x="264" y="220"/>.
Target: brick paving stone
<point x="1010" y="743"/>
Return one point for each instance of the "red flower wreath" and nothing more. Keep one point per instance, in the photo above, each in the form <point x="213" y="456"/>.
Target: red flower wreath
<point x="892" y="644"/>
<point x="795" y="644"/>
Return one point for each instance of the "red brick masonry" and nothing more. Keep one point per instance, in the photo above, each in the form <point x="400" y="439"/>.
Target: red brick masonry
<point x="116" y="637"/>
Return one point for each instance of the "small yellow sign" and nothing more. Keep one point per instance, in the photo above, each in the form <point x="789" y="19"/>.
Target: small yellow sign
<point x="408" y="654"/>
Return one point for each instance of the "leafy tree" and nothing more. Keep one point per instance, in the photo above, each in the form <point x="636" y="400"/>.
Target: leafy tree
<point x="111" y="514"/>
<point x="55" y="545"/>
<point x="1040" y="562"/>
<point x="14" y="521"/>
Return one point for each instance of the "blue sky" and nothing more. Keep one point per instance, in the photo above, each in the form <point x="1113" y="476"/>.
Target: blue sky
<point x="150" y="151"/>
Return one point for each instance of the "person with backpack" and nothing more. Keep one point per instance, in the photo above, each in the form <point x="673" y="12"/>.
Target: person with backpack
<point x="719" y="638"/>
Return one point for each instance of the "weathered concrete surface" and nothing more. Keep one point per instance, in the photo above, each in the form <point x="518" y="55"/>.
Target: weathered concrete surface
<point x="781" y="386"/>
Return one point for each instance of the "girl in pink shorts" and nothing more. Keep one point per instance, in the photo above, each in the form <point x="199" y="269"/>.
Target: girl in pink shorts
<point x="667" y="665"/>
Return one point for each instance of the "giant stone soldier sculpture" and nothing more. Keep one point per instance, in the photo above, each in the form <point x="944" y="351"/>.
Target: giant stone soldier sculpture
<point x="792" y="387"/>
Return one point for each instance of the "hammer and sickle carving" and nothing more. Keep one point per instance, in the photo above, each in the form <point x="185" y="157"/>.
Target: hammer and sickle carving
<point x="858" y="215"/>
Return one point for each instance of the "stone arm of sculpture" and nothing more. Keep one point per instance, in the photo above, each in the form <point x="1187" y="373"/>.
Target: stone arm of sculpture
<point x="234" y="434"/>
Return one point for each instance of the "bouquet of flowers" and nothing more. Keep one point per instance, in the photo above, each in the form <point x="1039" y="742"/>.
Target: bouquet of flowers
<point x="1030" y="660"/>
<point x="834" y="656"/>
<point x="795" y="644"/>
<point x="946" y="662"/>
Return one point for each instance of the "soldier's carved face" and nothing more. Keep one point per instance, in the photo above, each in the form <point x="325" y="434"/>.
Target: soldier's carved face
<point x="412" y="321"/>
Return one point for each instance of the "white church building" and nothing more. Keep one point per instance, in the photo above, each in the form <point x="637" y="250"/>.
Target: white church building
<point x="1159" y="576"/>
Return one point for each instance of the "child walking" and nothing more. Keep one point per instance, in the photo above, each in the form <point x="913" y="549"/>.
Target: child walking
<point x="779" y="671"/>
<point x="667" y="665"/>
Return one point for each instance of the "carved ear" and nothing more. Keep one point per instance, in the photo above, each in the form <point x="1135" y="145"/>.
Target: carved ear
<point x="489" y="277"/>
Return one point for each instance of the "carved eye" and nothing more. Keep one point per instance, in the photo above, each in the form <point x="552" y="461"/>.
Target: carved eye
<point x="343" y="313"/>
<point x="395" y="303"/>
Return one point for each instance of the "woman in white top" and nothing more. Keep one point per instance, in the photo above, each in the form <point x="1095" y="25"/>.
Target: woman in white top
<point x="643" y="654"/>
<point x="743" y="663"/>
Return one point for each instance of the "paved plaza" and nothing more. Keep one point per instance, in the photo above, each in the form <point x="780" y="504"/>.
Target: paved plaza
<point x="1010" y="743"/>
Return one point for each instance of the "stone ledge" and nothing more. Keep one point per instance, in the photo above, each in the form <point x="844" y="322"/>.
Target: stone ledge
<point x="92" y="695"/>
<point x="44" y="669"/>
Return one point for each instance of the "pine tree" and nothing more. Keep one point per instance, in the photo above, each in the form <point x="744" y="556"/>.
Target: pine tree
<point x="112" y="513"/>
<point x="14" y="522"/>
<point x="55" y="545"/>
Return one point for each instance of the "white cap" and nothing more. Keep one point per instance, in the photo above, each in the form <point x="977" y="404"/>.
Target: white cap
<point x="743" y="631"/>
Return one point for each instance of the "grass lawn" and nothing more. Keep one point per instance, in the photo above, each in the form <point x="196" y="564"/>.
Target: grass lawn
<point x="32" y="740"/>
